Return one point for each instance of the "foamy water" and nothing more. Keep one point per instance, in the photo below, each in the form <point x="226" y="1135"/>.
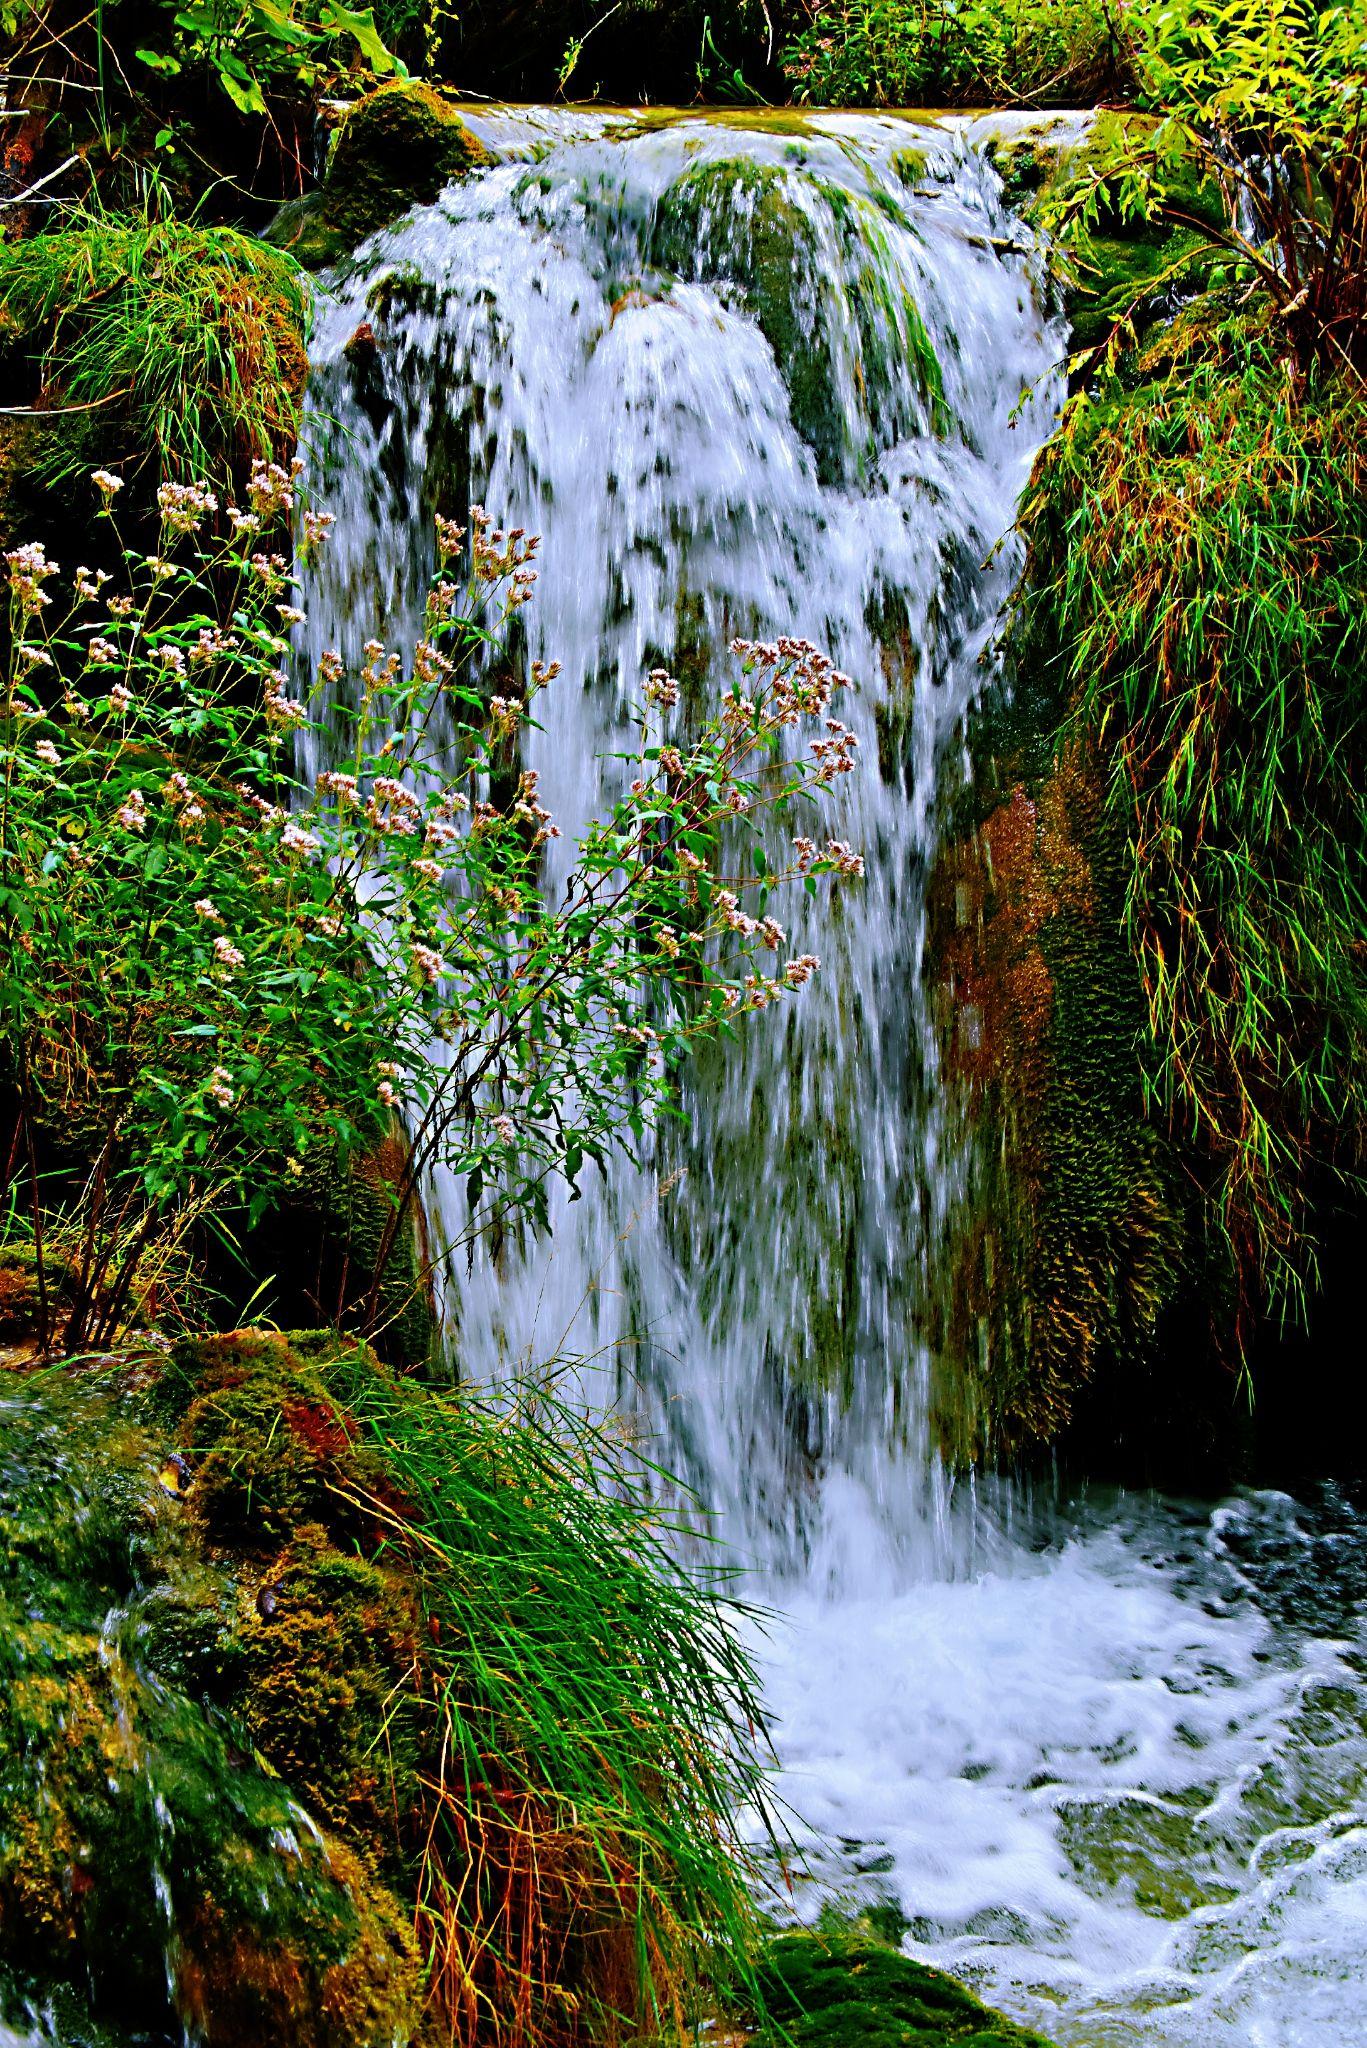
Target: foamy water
<point x="1117" y="1784"/>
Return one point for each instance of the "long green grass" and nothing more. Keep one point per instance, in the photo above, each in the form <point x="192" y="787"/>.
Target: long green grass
<point x="193" y="337"/>
<point x="599" y="1721"/>
<point x="1195" y="589"/>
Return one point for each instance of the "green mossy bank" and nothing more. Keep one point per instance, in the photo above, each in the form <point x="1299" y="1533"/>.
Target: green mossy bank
<point x="223" y="1651"/>
<point x="1147" y="912"/>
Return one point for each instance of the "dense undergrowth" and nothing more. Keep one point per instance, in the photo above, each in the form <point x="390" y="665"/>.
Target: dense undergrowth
<point x="908" y="53"/>
<point x="1198" y="556"/>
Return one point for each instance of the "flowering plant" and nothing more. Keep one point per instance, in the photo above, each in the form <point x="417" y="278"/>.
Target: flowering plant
<point x="246" y="912"/>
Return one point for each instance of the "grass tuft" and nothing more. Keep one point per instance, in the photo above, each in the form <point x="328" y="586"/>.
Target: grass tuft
<point x="195" y="334"/>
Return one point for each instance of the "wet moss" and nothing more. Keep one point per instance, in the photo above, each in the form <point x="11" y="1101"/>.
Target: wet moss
<point x="758" y="228"/>
<point x="396" y="148"/>
<point x="1128" y="270"/>
<point x="829" y="1991"/>
<point x="152" y="1869"/>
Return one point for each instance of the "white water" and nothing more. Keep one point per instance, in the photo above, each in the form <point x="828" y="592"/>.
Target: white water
<point x="1047" y="1737"/>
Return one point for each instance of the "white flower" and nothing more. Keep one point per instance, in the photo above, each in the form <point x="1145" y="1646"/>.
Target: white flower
<point x="206" y="908"/>
<point x="219" y="1089"/>
<point x="132" y="812"/>
<point x="227" y="954"/>
<point x="184" y="506"/>
<point x="506" y="1129"/>
<point x="120" y="697"/>
<point x="295" y="839"/>
<point x="45" y="751"/>
<point x="105" y="482"/>
<point x="385" y="1093"/>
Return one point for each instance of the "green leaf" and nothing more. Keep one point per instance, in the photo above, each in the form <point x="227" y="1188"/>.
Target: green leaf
<point x="358" y="23"/>
<point x="157" y="60"/>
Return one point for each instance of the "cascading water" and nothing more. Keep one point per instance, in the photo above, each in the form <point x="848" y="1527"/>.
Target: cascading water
<point x="756" y="380"/>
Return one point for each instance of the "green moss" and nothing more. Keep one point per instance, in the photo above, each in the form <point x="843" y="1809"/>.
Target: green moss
<point x="823" y="1991"/>
<point x="395" y="149"/>
<point x="272" y="1450"/>
<point x="744" y="222"/>
<point x="1127" y="262"/>
<point x="150" y="1869"/>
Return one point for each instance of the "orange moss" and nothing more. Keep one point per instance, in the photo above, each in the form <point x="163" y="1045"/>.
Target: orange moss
<point x="1073" y="1247"/>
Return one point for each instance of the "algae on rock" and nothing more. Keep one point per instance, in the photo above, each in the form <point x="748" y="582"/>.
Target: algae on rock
<point x="826" y="1991"/>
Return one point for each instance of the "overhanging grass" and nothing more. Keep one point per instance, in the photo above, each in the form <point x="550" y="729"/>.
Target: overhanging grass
<point x="598" y="1721"/>
<point x="1195" y="590"/>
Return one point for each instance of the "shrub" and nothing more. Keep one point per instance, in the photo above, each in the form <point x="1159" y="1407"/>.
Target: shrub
<point x="932" y="53"/>
<point x="217" y="951"/>
<point x="1265" y="103"/>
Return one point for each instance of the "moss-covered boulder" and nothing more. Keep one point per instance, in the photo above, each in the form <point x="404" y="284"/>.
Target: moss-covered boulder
<point x="395" y="149"/>
<point x="850" y="356"/>
<point x="156" y="1873"/>
<point x="823" y="1991"/>
<point x="1129" y="263"/>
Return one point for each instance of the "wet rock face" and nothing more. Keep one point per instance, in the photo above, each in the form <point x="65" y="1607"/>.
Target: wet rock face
<point x="155" y="1871"/>
<point x="1082" y="1291"/>
<point x="778" y="242"/>
<point x="396" y="148"/>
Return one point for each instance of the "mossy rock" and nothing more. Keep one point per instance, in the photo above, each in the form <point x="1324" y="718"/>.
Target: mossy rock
<point x="395" y="149"/>
<point x="1130" y="260"/>
<point x="154" y="1874"/>
<point x="743" y="223"/>
<point x="271" y="1450"/>
<point x="835" y="1992"/>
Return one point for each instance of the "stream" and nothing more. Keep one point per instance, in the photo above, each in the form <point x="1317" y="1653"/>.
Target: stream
<point x="1106" y="1757"/>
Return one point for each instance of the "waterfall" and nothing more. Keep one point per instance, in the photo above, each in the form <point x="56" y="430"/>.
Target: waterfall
<point x="740" y="382"/>
<point x="751" y="374"/>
